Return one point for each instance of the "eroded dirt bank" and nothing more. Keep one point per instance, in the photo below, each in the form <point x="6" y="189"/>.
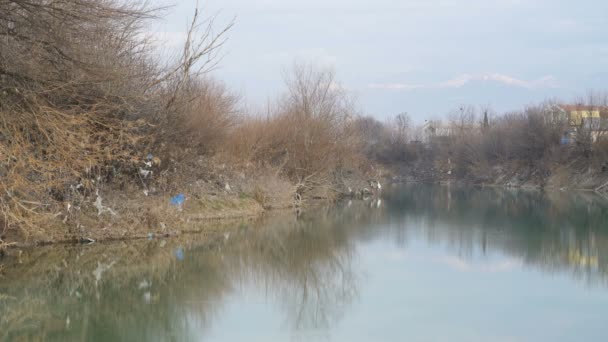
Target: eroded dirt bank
<point x="574" y="176"/>
<point x="220" y="196"/>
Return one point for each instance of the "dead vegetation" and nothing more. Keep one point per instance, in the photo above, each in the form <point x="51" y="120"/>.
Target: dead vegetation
<point x="307" y="136"/>
<point x="90" y="119"/>
<point x="82" y="97"/>
<point x="537" y="146"/>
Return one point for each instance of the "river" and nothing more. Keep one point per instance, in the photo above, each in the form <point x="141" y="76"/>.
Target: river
<point x="423" y="263"/>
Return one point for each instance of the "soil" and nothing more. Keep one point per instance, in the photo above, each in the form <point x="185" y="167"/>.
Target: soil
<point x="212" y="192"/>
<point x="574" y="176"/>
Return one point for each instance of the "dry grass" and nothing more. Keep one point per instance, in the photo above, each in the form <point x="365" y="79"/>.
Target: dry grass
<point x="50" y="154"/>
<point x="82" y="100"/>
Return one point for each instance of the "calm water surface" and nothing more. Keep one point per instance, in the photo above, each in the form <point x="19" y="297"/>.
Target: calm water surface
<point x="422" y="264"/>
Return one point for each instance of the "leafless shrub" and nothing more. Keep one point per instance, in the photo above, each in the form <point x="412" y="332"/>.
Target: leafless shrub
<point x="525" y="136"/>
<point x="592" y="130"/>
<point x="206" y="116"/>
<point x="309" y="135"/>
<point x="81" y="94"/>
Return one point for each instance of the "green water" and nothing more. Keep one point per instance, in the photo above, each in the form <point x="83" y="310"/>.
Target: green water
<point x="423" y="264"/>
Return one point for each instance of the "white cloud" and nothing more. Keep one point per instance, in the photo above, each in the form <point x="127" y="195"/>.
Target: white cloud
<point x="464" y="79"/>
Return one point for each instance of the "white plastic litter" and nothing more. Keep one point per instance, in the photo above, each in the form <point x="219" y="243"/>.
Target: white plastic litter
<point x="144" y="173"/>
<point x="101" y="209"/>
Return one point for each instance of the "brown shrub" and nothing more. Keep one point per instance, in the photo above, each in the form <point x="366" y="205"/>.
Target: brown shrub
<point x="206" y="113"/>
<point x="309" y="135"/>
<point x="82" y="98"/>
<point x="71" y="73"/>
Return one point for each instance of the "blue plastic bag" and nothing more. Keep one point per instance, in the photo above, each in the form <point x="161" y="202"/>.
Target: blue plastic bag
<point x="178" y="200"/>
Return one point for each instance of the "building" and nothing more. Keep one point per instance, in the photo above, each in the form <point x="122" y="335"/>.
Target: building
<point x="432" y="130"/>
<point x="442" y="133"/>
<point x="581" y="118"/>
<point x="577" y="115"/>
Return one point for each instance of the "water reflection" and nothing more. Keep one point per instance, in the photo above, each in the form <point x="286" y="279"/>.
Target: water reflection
<point x="553" y="231"/>
<point x="308" y="267"/>
<point x="305" y="265"/>
<point x="172" y="290"/>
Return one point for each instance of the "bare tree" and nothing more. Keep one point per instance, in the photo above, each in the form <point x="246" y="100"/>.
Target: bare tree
<point x="402" y="125"/>
<point x="81" y="94"/>
<point x="462" y="121"/>
<point x="593" y="123"/>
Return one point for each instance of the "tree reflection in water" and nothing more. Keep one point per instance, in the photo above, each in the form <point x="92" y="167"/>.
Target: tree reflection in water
<point x="554" y="231"/>
<point x="143" y="291"/>
<point x="307" y="266"/>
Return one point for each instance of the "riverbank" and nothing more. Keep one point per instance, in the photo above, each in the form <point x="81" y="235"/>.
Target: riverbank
<point x="137" y="218"/>
<point x="317" y="261"/>
<point x="104" y="140"/>
<point x="198" y="199"/>
<point x="576" y="175"/>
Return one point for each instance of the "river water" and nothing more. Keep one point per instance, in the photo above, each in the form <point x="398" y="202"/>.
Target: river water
<point x="424" y="263"/>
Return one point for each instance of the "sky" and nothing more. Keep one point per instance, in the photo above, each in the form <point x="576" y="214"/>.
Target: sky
<point x="423" y="57"/>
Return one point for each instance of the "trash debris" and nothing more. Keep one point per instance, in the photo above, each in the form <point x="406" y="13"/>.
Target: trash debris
<point x="163" y="226"/>
<point x="144" y="173"/>
<point x="179" y="254"/>
<point x="163" y="243"/>
<point x="150" y="236"/>
<point x="151" y="160"/>
<point x="227" y="187"/>
<point x="178" y="200"/>
<point x="101" y="209"/>
<point x="146" y="193"/>
<point x="86" y="241"/>
<point x="147" y="297"/>
<point x="375" y="185"/>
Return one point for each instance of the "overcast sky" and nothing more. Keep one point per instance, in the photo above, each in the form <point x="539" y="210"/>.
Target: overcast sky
<point x="424" y="57"/>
